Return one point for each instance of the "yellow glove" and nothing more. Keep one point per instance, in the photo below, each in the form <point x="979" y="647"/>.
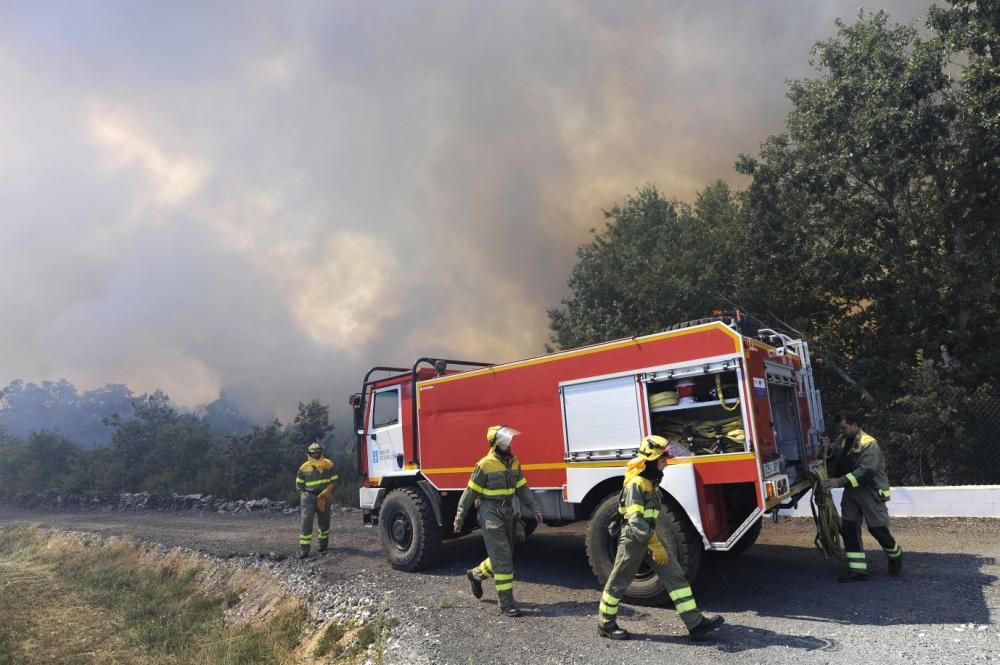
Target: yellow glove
<point x="324" y="498"/>
<point x="657" y="549"/>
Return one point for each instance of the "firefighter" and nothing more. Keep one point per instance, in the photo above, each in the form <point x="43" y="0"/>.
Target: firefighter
<point x="315" y="482"/>
<point x="638" y="507"/>
<point x="495" y="481"/>
<point x="859" y="467"/>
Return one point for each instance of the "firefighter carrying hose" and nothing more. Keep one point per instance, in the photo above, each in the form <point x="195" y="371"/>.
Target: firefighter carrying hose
<point x="315" y="482"/>
<point x="639" y="506"/>
<point x="495" y="481"/>
<point x="859" y="467"/>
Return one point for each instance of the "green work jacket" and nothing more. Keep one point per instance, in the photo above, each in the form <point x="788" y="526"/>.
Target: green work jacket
<point x="315" y="474"/>
<point x="496" y="479"/>
<point x="861" y="464"/>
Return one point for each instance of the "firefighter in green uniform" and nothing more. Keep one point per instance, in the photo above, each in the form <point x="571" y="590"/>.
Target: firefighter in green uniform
<point x="315" y="482"/>
<point x="495" y="481"/>
<point x="639" y="540"/>
<point x="859" y="467"/>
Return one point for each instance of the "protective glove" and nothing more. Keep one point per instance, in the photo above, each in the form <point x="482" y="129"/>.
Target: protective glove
<point x="324" y="498"/>
<point x="833" y="483"/>
<point x="657" y="550"/>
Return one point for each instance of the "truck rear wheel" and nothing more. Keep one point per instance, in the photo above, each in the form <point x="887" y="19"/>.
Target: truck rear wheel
<point x="646" y="588"/>
<point x="411" y="537"/>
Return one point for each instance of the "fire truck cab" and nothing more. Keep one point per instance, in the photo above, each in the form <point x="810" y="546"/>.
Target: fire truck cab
<point x="737" y="403"/>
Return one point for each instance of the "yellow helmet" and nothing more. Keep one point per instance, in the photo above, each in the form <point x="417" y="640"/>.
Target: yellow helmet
<point x="500" y="436"/>
<point x="653" y="447"/>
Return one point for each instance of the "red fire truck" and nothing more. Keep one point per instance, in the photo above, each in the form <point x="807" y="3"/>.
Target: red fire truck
<point x="740" y="406"/>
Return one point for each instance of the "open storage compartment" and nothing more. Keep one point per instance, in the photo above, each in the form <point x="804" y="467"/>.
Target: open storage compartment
<point x="786" y="421"/>
<point x="699" y="407"/>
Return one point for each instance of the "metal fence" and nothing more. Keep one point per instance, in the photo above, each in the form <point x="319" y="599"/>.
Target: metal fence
<point x="951" y="445"/>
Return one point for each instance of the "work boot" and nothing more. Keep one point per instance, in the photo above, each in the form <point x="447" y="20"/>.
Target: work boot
<point x="322" y="548"/>
<point x="475" y="583"/>
<point x="705" y="628"/>
<point x="304" y="552"/>
<point x="613" y="631"/>
<point x="853" y="576"/>
<point x="511" y="611"/>
<point x="896" y="565"/>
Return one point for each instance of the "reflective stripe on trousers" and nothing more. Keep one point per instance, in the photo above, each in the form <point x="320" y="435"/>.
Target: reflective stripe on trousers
<point x="856" y="561"/>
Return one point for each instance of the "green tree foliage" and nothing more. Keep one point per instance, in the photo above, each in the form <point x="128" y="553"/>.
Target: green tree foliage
<point x="57" y="406"/>
<point x="312" y="423"/>
<point x="655" y="262"/>
<point x="869" y="227"/>
<point x="873" y="194"/>
<point x="158" y="450"/>
<point x="41" y="462"/>
<point x="261" y="463"/>
<point x="224" y="416"/>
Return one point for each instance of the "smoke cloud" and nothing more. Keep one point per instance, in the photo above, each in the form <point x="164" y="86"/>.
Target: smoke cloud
<point x="274" y="197"/>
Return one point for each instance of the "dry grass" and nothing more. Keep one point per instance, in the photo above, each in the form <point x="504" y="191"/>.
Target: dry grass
<point x="74" y="599"/>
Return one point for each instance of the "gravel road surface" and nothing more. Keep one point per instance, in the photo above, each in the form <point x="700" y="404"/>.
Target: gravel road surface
<point x="781" y="601"/>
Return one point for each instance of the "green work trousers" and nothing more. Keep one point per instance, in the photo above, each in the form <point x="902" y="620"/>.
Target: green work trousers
<point x="864" y="500"/>
<point x="632" y="552"/>
<point x="856" y="503"/>
<point x="308" y="509"/>
<point x="496" y="520"/>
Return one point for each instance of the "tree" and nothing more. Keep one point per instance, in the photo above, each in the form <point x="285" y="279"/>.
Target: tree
<point x="224" y="416"/>
<point x="258" y="463"/>
<point x="656" y="263"/>
<point x="312" y="423"/>
<point x="136" y="437"/>
<point x="869" y="227"/>
<point x="872" y="194"/>
<point x="56" y="406"/>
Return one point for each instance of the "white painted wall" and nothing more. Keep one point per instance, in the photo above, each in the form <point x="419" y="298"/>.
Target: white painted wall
<point x="962" y="501"/>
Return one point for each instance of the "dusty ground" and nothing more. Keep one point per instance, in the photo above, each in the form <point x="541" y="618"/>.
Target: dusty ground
<point x="780" y="599"/>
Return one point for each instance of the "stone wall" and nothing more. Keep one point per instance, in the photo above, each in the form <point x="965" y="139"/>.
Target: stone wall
<point x="51" y="499"/>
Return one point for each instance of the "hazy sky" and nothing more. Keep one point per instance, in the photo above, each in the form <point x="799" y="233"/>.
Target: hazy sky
<point x="274" y="196"/>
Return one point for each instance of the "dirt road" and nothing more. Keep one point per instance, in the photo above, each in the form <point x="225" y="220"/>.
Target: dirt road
<point x="780" y="599"/>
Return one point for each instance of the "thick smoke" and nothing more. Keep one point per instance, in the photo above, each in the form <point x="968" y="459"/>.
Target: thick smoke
<point x="277" y="196"/>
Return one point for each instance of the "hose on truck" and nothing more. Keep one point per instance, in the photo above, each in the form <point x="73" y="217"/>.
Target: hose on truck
<point x="825" y="514"/>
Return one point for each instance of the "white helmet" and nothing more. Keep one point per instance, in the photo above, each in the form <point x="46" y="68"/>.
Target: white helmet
<point x="501" y="436"/>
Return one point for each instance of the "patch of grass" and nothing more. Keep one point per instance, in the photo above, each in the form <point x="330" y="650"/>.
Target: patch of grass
<point x="82" y="600"/>
<point x="160" y="605"/>
<point x="329" y="644"/>
<point x="449" y="604"/>
<point x="376" y="633"/>
<point x="111" y="602"/>
<point x="273" y="642"/>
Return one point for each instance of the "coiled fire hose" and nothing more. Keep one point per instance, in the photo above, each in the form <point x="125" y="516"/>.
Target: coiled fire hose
<point x="825" y="514"/>
<point x="722" y="399"/>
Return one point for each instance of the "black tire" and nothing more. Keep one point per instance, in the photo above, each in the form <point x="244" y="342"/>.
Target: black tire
<point x="646" y="589"/>
<point x="745" y="542"/>
<point x="410" y="535"/>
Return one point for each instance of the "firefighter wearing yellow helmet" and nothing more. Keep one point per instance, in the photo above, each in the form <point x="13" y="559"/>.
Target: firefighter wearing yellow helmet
<point x="495" y="481"/>
<point x="639" y="506"/>
<point x="315" y="482"/>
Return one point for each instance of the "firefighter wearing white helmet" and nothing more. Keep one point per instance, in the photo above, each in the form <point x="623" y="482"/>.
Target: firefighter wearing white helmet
<point x="495" y="481"/>
<point x="639" y="507"/>
<point x="315" y="481"/>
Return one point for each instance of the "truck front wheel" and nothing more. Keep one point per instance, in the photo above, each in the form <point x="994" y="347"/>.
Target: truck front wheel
<point x="646" y="588"/>
<point x="410" y="535"/>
